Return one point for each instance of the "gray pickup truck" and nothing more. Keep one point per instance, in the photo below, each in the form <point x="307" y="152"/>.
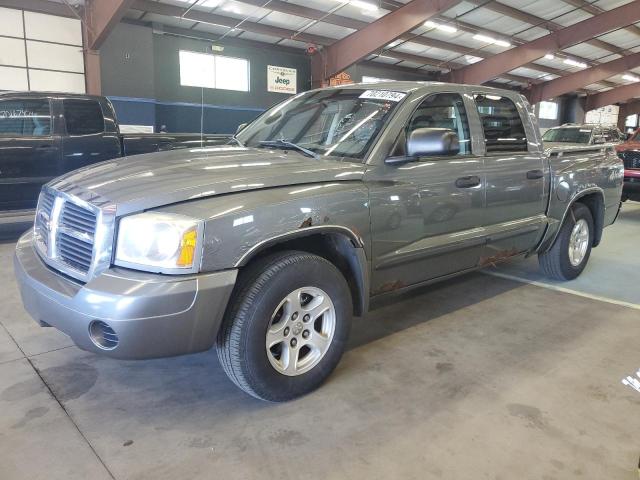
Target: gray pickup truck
<point x="267" y="246"/>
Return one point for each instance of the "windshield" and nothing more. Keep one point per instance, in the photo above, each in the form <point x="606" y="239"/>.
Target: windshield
<point x="568" y="135"/>
<point x="336" y="123"/>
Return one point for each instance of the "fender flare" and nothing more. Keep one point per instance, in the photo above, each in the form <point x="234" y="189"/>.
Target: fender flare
<point x="574" y="199"/>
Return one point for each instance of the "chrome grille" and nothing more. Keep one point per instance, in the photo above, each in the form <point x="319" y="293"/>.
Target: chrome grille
<point x="74" y="252"/>
<point x="77" y="218"/>
<point x="65" y="232"/>
<point x="43" y="216"/>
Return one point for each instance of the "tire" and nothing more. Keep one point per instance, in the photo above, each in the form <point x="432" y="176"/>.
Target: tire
<point x="556" y="262"/>
<point x="260" y="305"/>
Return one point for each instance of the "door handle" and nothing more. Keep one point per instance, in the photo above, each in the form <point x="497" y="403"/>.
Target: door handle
<point x="468" y="182"/>
<point x="535" y="174"/>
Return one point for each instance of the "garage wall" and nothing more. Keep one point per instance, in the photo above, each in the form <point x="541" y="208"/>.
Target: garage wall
<point x="141" y="76"/>
<point x="40" y="52"/>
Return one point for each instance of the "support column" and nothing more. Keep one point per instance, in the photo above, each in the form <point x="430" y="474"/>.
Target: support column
<point x="92" y="72"/>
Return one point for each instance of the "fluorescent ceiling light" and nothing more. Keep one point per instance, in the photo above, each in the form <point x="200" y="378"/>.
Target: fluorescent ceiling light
<point x="472" y="59"/>
<point x="549" y="56"/>
<point x="575" y="63"/>
<point x="364" y="5"/>
<point x="487" y="39"/>
<point x="631" y="78"/>
<point x="444" y="28"/>
<point x="232" y="9"/>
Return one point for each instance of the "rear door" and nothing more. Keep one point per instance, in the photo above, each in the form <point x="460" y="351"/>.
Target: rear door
<point x="30" y="151"/>
<point x="517" y="176"/>
<point x="87" y="139"/>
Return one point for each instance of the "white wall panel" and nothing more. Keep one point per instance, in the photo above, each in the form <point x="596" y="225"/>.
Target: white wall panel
<point x="11" y="22"/>
<point x="55" y="57"/>
<point x="12" y="52"/>
<point x="50" y="28"/>
<point x="12" y="78"/>
<point x="56" y="81"/>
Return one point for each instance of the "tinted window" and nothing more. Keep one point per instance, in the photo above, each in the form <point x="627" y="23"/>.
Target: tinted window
<point x="568" y="135"/>
<point x="503" y="127"/>
<point x="25" y="118"/>
<point x="443" y="110"/>
<point x="83" y="117"/>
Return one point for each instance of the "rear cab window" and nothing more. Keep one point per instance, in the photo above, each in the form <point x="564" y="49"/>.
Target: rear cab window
<point x="25" y="118"/>
<point x="503" y="128"/>
<point x="83" y="117"/>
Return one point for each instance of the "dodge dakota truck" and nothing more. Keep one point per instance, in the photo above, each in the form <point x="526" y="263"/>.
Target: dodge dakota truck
<point x="266" y="247"/>
<point x="43" y="135"/>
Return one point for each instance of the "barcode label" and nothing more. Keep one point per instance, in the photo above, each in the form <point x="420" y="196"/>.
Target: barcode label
<point x="383" y="95"/>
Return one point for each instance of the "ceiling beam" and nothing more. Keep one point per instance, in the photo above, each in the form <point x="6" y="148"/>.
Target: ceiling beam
<point x="534" y="20"/>
<point x="214" y="19"/>
<point x="101" y="18"/>
<point x="342" y="21"/>
<point x="595" y="10"/>
<point x="516" y="57"/>
<point x="569" y="83"/>
<point x="616" y="95"/>
<point x="375" y="35"/>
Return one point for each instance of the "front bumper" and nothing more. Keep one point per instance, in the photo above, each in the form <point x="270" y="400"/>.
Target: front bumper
<point x="152" y="315"/>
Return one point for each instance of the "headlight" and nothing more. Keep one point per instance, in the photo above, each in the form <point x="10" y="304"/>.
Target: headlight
<point x="159" y="242"/>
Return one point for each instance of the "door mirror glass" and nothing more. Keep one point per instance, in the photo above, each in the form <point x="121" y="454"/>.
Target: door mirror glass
<point x="423" y="142"/>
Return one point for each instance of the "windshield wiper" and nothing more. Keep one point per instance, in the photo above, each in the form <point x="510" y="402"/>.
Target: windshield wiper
<point x="288" y="146"/>
<point x="238" y="142"/>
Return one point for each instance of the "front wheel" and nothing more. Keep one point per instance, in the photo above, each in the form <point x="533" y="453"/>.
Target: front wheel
<point x="570" y="253"/>
<point x="287" y="326"/>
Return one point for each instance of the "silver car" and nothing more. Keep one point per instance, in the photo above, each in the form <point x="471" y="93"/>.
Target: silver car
<point x="267" y="246"/>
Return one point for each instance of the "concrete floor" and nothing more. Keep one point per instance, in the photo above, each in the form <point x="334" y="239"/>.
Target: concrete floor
<point x="480" y="377"/>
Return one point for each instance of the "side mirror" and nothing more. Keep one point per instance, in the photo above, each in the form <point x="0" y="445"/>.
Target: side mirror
<point x="424" y="142"/>
<point x="241" y="127"/>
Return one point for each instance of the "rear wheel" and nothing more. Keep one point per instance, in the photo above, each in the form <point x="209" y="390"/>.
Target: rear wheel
<point x="570" y="253"/>
<point x="287" y="327"/>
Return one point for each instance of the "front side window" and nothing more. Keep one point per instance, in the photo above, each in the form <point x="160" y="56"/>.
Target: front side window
<point x="503" y="127"/>
<point x="83" y="117"/>
<point x="442" y="110"/>
<point x="568" y="135"/>
<point x="335" y="123"/>
<point x="25" y="118"/>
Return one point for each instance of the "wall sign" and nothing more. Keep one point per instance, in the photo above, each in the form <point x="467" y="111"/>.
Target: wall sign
<point x="342" y="78"/>
<point x="282" y="80"/>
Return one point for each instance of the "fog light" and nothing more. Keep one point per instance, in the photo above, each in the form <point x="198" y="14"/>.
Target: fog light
<point x="102" y="335"/>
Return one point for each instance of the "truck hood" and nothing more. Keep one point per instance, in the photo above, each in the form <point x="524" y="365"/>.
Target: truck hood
<point x="151" y="180"/>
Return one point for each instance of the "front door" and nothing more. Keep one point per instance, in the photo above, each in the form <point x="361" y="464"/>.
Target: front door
<point x="517" y="177"/>
<point x="30" y="153"/>
<point x="425" y="213"/>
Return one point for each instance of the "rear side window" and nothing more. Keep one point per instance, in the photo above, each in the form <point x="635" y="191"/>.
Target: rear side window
<point x="25" y="118"/>
<point x="83" y="117"/>
<point x="503" y="127"/>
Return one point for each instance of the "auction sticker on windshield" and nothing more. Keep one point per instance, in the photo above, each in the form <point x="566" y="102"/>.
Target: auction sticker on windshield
<point x="383" y="95"/>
